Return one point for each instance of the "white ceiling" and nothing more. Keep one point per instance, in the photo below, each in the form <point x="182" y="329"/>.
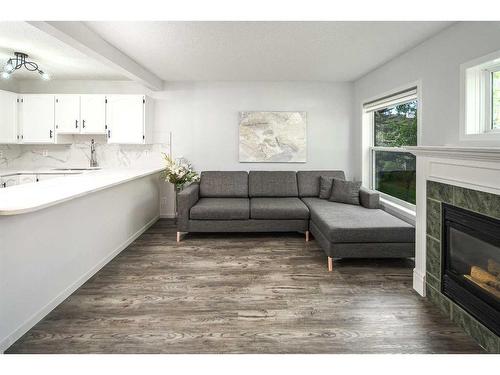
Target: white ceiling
<point x="264" y="51"/>
<point x="224" y="51"/>
<point x="52" y="55"/>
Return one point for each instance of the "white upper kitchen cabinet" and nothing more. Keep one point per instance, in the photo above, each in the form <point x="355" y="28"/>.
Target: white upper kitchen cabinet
<point x="8" y="117"/>
<point x="67" y="114"/>
<point x="93" y="114"/>
<point x="129" y="119"/>
<point x="37" y="117"/>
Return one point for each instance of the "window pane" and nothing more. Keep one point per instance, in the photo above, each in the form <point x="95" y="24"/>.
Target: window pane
<point x="395" y="174"/>
<point x="396" y="126"/>
<point x="495" y="102"/>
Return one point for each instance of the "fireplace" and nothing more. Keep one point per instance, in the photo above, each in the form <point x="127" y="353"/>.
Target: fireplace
<point x="471" y="263"/>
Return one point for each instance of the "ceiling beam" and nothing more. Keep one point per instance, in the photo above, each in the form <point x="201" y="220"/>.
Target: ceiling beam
<point x="77" y="35"/>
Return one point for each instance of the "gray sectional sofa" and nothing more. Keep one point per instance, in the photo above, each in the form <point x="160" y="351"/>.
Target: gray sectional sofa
<point x="286" y="201"/>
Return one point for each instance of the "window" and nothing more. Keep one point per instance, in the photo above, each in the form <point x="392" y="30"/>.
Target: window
<point x="394" y="125"/>
<point x="480" y="98"/>
<point x="495" y="100"/>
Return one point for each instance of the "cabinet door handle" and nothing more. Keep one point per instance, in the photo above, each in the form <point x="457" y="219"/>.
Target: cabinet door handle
<point x="50" y="133"/>
<point x="83" y="123"/>
<point x="109" y="133"/>
<point x="76" y="123"/>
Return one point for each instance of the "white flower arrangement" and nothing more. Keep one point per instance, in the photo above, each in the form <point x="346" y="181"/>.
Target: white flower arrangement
<point x="179" y="172"/>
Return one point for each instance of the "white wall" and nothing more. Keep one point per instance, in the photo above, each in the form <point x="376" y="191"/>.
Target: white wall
<point x="436" y="64"/>
<point x="203" y="118"/>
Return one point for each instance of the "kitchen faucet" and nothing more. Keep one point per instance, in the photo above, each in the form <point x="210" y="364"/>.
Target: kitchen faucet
<point x="93" y="158"/>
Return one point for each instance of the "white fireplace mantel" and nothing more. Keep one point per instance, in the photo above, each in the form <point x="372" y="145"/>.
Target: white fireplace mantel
<point x="476" y="168"/>
<point x="464" y="153"/>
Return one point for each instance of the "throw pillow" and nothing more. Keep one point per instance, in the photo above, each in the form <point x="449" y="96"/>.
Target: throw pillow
<point x="325" y="187"/>
<point x="345" y="191"/>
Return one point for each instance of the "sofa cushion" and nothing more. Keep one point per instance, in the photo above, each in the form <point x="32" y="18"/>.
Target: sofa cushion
<point x="325" y="187"/>
<point x="272" y="184"/>
<point x="345" y="191"/>
<point x="221" y="209"/>
<point x="278" y="208"/>
<point x="308" y="181"/>
<point x="218" y="184"/>
<point x="345" y="223"/>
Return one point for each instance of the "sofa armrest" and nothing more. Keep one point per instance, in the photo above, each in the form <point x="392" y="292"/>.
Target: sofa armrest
<point x="369" y="198"/>
<point x="186" y="199"/>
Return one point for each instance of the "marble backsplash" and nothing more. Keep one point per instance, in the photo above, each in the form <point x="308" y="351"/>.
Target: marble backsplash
<point x="78" y="155"/>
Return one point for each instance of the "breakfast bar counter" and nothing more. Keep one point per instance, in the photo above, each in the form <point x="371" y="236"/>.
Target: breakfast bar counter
<point x="55" y="234"/>
<point x="35" y="196"/>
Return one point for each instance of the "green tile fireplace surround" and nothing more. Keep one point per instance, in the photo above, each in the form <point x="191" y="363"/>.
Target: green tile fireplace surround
<point x="483" y="203"/>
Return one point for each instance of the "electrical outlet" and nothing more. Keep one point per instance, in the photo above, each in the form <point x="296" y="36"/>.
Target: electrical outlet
<point x="45" y="153"/>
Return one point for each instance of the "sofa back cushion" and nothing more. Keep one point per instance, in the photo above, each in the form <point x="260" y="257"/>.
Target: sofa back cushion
<point x="224" y="184"/>
<point x="345" y="191"/>
<point x="308" y="181"/>
<point x="272" y="184"/>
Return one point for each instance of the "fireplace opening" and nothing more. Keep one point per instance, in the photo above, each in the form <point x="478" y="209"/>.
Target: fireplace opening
<point x="471" y="263"/>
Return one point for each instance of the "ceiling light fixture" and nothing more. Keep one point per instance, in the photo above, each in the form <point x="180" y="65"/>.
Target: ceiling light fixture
<point x="21" y="61"/>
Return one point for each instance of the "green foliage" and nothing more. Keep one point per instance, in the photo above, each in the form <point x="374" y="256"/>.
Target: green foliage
<point x="395" y="174"/>
<point x="396" y="126"/>
<point x="395" y="171"/>
<point x="399" y="184"/>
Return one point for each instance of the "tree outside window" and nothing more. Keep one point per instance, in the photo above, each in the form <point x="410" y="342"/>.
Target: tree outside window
<point x="394" y="170"/>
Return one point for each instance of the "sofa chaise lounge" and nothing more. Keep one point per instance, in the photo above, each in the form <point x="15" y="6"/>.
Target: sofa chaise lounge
<point x="288" y="201"/>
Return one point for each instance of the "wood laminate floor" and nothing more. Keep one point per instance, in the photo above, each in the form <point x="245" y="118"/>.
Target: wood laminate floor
<point x="243" y="293"/>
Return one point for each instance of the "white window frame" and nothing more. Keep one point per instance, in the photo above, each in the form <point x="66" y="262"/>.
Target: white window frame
<point x="489" y="109"/>
<point x="476" y="99"/>
<point x="401" y="96"/>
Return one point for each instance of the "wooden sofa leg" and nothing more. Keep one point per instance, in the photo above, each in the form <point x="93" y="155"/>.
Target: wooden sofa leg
<point x="330" y="264"/>
<point x="307" y="236"/>
<point x="178" y="236"/>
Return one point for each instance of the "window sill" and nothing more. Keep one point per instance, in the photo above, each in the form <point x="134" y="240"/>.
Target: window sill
<point x="486" y="136"/>
<point x="399" y="211"/>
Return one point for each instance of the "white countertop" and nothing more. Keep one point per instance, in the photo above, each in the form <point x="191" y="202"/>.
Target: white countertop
<point x="35" y="196"/>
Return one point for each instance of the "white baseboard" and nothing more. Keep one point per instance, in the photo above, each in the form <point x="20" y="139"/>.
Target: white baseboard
<point x="35" y="318"/>
<point x="419" y="282"/>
